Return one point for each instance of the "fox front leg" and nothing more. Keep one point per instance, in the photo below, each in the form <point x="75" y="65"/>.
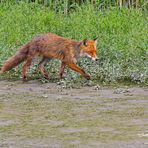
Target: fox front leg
<point x="74" y="67"/>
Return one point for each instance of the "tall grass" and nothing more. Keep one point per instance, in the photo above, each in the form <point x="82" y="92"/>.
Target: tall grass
<point x="122" y="36"/>
<point x="67" y="6"/>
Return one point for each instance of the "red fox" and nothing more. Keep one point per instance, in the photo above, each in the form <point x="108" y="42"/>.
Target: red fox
<point x="50" y="46"/>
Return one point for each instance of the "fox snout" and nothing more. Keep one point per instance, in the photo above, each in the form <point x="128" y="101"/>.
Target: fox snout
<point x="95" y="59"/>
<point x="92" y="57"/>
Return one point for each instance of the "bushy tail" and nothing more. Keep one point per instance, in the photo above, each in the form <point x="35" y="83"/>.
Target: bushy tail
<point x="13" y="61"/>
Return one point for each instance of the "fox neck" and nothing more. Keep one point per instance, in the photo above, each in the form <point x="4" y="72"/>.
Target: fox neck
<point x="78" y="50"/>
<point x="82" y="52"/>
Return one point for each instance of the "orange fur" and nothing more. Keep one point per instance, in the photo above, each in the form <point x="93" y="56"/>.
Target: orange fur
<point x="16" y="59"/>
<point x="52" y="46"/>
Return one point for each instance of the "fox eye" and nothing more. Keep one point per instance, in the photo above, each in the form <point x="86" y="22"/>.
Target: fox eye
<point x="85" y="42"/>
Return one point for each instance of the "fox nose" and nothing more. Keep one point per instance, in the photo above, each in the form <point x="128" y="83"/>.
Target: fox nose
<point x="97" y="59"/>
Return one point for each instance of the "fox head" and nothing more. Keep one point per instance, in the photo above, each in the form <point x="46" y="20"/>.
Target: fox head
<point x="88" y="48"/>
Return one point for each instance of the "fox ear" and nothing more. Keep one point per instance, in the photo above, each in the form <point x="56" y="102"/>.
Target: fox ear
<point x="85" y="42"/>
<point x="95" y="39"/>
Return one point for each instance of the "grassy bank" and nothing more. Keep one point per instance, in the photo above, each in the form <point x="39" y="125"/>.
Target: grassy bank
<point x="122" y="40"/>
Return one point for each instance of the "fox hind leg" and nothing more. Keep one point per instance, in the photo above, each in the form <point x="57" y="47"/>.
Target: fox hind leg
<point x="62" y="70"/>
<point x="41" y="67"/>
<point x="25" y="68"/>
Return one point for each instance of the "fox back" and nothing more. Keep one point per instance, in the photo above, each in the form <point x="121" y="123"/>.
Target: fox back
<point x="54" y="46"/>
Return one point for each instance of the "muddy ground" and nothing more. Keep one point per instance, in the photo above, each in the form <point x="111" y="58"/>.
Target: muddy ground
<point x="35" y="115"/>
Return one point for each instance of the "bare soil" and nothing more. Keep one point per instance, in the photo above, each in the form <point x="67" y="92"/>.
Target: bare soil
<point x="35" y="115"/>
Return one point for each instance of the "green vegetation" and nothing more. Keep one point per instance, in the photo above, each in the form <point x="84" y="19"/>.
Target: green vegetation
<point x="122" y="45"/>
<point x="68" y="5"/>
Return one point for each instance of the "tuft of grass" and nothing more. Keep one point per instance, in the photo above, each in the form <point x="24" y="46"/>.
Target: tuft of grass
<point x="122" y="45"/>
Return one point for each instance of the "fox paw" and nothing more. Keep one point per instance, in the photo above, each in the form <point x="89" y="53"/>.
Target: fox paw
<point x="46" y="77"/>
<point x="87" y="77"/>
<point x="24" y="80"/>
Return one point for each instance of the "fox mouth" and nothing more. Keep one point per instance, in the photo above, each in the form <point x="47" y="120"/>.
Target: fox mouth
<point x="94" y="59"/>
<point x="90" y="57"/>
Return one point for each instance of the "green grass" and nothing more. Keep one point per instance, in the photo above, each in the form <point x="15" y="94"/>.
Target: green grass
<point x="122" y="40"/>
